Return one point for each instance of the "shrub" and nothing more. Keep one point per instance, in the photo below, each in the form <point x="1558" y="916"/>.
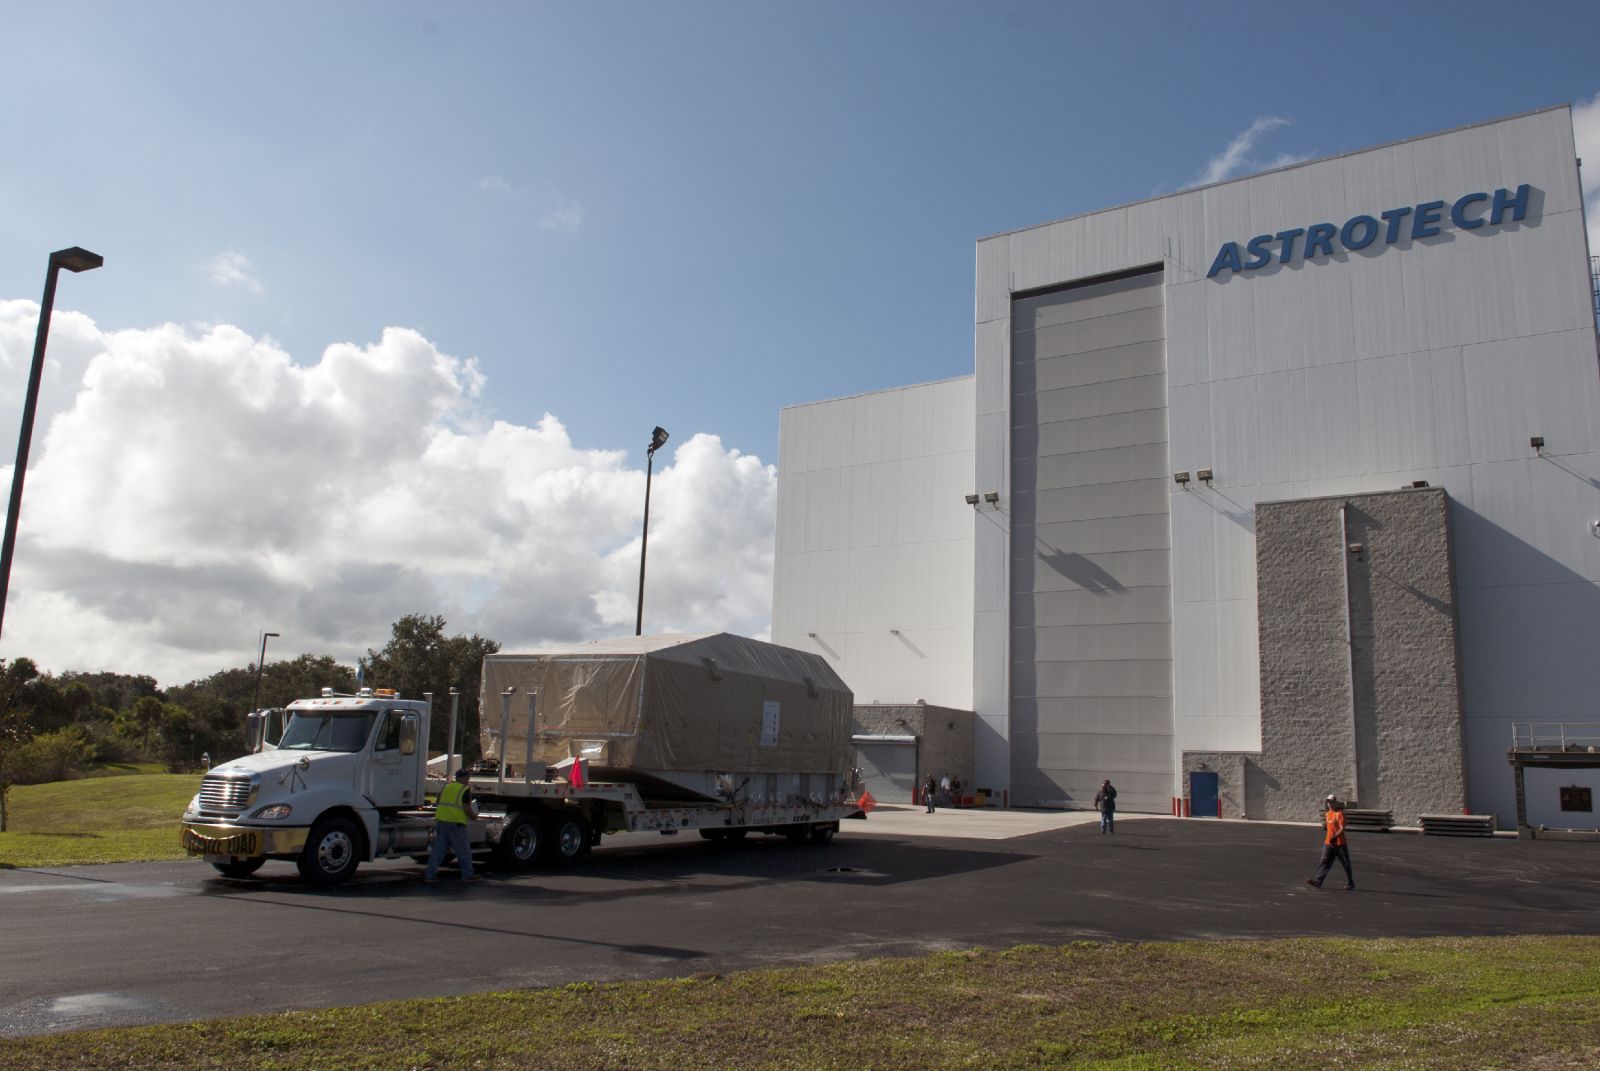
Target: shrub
<point x="53" y="756"/>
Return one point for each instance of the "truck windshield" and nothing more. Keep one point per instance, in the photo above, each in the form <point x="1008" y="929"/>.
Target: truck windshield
<point x="327" y="730"/>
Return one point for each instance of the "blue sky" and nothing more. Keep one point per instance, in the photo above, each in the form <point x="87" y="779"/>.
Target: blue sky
<point x="629" y="214"/>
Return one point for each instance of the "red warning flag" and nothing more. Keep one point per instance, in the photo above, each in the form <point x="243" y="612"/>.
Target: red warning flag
<point x="866" y="802"/>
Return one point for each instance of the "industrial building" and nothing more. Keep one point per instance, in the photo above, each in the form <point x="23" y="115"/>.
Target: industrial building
<point x="1262" y="490"/>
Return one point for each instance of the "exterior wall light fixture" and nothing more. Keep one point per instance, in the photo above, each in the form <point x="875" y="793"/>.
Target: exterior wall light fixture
<point x="972" y="500"/>
<point x="992" y="497"/>
<point x="1203" y="475"/>
<point x="1181" y="478"/>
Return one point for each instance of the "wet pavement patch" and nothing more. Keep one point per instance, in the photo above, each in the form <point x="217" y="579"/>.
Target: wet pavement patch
<point x="77" y="1011"/>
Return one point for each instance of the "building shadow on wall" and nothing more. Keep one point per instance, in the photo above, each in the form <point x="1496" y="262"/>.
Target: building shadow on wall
<point x="1523" y="659"/>
<point x="1079" y="569"/>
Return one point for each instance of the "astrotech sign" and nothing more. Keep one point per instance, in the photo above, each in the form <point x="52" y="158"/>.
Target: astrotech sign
<point x="1393" y="225"/>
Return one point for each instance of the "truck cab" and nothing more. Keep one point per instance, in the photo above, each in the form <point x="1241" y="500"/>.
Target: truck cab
<point x="342" y="782"/>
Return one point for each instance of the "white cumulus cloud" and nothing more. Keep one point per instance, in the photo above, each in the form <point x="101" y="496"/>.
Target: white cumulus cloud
<point x="1236" y="158"/>
<point x="231" y="268"/>
<point x="192" y="489"/>
<point x="1586" y="132"/>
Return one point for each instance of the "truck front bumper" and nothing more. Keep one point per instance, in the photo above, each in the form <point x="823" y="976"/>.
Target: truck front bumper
<point x="217" y="842"/>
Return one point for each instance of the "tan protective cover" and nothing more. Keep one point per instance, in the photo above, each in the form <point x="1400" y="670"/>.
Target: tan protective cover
<point x="689" y="703"/>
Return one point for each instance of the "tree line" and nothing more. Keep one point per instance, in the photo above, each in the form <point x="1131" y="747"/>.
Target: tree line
<point x="57" y="726"/>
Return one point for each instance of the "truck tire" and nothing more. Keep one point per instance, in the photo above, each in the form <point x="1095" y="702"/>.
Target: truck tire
<point x="797" y="834"/>
<point x="823" y="832"/>
<point x="239" y="868"/>
<point x="569" y="836"/>
<point x="522" y="841"/>
<point x="332" y="852"/>
<point x="722" y="835"/>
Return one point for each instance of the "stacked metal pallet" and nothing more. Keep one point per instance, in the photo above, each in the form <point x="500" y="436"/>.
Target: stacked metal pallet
<point x="1372" y="821"/>
<point x="1458" y="825"/>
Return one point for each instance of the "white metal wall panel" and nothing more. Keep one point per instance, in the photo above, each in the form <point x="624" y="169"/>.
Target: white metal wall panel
<point x="875" y="560"/>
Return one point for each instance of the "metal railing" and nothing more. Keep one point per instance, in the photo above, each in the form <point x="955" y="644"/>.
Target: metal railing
<point x="1555" y="735"/>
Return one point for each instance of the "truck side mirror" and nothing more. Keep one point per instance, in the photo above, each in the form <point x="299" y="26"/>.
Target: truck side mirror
<point x="254" y="730"/>
<point x="408" y="734"/>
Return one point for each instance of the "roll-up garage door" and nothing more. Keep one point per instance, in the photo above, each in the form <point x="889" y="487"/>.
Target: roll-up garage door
<point x="888" y="766"/>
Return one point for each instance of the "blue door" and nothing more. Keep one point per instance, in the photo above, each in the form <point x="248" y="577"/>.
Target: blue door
<point x="1203" y="795"/>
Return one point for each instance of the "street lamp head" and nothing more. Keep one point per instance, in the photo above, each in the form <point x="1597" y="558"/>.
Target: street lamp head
<point x="76" y="259"/>
<point x="658" y="439"/>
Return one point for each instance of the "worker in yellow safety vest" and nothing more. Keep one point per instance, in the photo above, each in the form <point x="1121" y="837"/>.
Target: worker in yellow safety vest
<point x="455" y="808"/>
<point x="1333" y="844"/>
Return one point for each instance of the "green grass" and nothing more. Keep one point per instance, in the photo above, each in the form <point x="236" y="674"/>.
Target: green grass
<point x="1524" y="1002"/>
<point x="120" y="769"/>
<point x="110" y="819"/>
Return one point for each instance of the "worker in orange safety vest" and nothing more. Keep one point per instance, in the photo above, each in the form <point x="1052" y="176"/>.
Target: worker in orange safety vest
<point x="1333" y="844"/>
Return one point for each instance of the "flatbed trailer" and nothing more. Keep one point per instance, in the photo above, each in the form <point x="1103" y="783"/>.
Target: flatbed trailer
<point x="526" y="820"/>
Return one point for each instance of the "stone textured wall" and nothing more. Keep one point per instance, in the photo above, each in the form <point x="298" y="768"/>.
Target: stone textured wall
<point x="1375" y="718"/>
<point x="1233" y="772"/>
<point x="944" y="736"/>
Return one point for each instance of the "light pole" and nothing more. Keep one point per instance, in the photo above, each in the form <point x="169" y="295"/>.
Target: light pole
<point x="75" y="260"/>
<point x="260" y="661"/>
<point x="658" y="439"/>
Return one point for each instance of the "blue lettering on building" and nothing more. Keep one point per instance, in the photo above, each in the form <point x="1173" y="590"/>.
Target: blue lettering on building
<point x="1409" y="223"/>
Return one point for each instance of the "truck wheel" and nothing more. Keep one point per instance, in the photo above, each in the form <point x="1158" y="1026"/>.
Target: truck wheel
<point x="521" y="841"/>
<point x="797" y="834"/>
<point x="569" y="836"/>
<point x="330" y="855"/>
<point x="239" y="868"/>
<point x="822" y="833"/>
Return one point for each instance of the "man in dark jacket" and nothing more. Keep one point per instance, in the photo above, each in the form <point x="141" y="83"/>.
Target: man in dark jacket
<point x="1105" y="801"/>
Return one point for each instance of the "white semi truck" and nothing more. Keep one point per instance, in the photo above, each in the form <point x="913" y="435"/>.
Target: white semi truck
<point x="718" y="734"/>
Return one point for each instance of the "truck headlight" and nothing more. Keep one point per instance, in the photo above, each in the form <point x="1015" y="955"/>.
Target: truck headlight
<point x="276" y="810"/>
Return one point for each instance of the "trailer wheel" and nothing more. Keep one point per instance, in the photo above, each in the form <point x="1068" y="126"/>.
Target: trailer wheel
<point x="797" y="834"/>
<point x="330" y="855"/>
<point x="521" y="842"/>
<point x="569" y="836"/>
<point x="239" y="868"/>
<point x="823" y="832"/>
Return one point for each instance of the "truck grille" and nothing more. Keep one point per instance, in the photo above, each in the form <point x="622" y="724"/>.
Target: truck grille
<point x="224" y="793"/>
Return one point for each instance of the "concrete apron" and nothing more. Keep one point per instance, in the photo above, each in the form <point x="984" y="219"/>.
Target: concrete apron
<point x="974" y="823"/>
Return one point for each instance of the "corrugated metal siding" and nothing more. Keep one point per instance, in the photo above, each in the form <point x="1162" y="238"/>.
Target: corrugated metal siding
<point x="1091" y="635"/>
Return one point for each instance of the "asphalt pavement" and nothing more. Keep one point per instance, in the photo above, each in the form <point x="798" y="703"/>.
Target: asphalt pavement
<point x="164" y="942"/>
